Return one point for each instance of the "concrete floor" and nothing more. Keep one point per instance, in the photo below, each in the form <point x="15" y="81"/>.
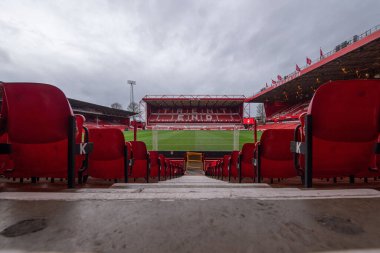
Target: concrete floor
<point x="190" y="214"/>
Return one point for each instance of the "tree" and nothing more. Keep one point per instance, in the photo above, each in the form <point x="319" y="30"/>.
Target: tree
<point x="116" y="105"/>
<point x="134" y="107"/>
<point x="260" y="111"/>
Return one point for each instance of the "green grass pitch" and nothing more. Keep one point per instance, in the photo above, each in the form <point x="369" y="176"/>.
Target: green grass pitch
<point x="192" y="140"/>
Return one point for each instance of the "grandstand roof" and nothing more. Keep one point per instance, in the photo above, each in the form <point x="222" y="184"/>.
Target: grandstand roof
<point x="99" y="110"/>
<point x="194" y="100"/>
<point x="358" y="58"/>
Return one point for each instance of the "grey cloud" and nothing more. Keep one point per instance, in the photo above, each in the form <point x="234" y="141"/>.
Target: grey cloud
<point x="4" y="57"/>
<point x="91" y="48"/>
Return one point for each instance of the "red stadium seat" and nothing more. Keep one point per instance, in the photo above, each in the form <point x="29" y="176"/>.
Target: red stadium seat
<point x="168" y="167"/>
<point x="218" y="169"/>
<point x="207" y="168"/>
<point x="234" y="165"/>
<point x="226" y="166"/>
<point x="246" y="168"/>
<point x="140" y="160"/>
<point x="154" y="165"/>
<point x="109" y="159"/>
<point x="341" y="129"/>
<point x="162" y="167"/>
<point x="210" y="167"/>
<point x="273" y="156"/>
<point x="41" y="130"/>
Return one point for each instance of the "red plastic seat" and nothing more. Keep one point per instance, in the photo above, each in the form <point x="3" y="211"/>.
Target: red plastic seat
<point x="208" y="170"/>
<point x="37" y="118"/>
<point x="219" y="168"/>
<point x="140" y="157"/>
<point x="168" y="166"/>
<point x="234" y="165"/>
<point x="154" y="164"/>
<point x="275" y="157"/>
<point x="246" y="168"/>
<point x="226" y="165"/>
<point x="162" y="167"/>
<point x="345" y="127"/>
<point x="108" y="159"/>
<point x="214" y="165"/>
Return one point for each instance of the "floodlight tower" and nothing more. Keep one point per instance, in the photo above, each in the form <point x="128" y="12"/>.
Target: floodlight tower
<point x="131" y="98"/>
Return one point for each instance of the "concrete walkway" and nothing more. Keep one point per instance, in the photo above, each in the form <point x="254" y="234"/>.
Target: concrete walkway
<point x="190" y="214"/>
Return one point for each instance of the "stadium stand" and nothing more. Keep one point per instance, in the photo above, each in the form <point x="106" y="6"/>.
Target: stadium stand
<point x="285" y="99"/>
<point x="290" y="113"/>
<point x="194" y="112"/>
<point x="101" y="116"/>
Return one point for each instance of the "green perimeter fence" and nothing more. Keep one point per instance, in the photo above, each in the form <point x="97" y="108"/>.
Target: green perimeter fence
<point x="193" y="140"/>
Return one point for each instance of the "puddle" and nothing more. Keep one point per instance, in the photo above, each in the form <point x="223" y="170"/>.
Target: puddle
<point x="24" y="227"/>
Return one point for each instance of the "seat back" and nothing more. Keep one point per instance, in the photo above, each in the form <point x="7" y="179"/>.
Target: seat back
<point x="163" y="166"/>
<point x="345" y="119"/>
<point x="139" y="150"/>
<point x="107" y="158"/>
<point x="36" y="113"/>
<point x="154" y="163"/>
<point x="276" y="158"/>
<point x="36" y="120"/>
<point x="140" y="161"/>
<point x="234" y="164"/>
<point x="226" y="165"/>
<point x="246" y="162"/>
<point x="346" y="111"/>
<point x="108" y="144"/>
<point x="247" y="152"/>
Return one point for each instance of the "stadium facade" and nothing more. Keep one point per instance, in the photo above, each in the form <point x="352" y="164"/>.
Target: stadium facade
<point x="203" y="112"/>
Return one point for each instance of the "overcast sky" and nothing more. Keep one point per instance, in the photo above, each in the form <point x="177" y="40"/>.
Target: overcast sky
<point x="91" y="48"/>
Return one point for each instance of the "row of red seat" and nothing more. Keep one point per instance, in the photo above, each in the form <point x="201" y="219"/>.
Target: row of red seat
<point x="215" y="126"/>
<point x="275" y="156"/>
<point x="198" y="119"/>
<point x="191" y="110"/>
<point x="290" y="113"/>
<point x="41" y="137"/>
<point x="111" y="154"/>
<point x="338" y="137"/>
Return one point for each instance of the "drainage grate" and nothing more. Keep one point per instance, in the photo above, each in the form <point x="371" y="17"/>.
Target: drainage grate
<point x="24" y="227"/>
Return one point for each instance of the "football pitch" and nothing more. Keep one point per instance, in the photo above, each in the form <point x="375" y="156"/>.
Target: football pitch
<point x="193" y="140"/>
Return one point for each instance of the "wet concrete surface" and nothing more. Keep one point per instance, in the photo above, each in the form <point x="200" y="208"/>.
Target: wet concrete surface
<point x="177" y="224"/>
<point x="195" y="225"/>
